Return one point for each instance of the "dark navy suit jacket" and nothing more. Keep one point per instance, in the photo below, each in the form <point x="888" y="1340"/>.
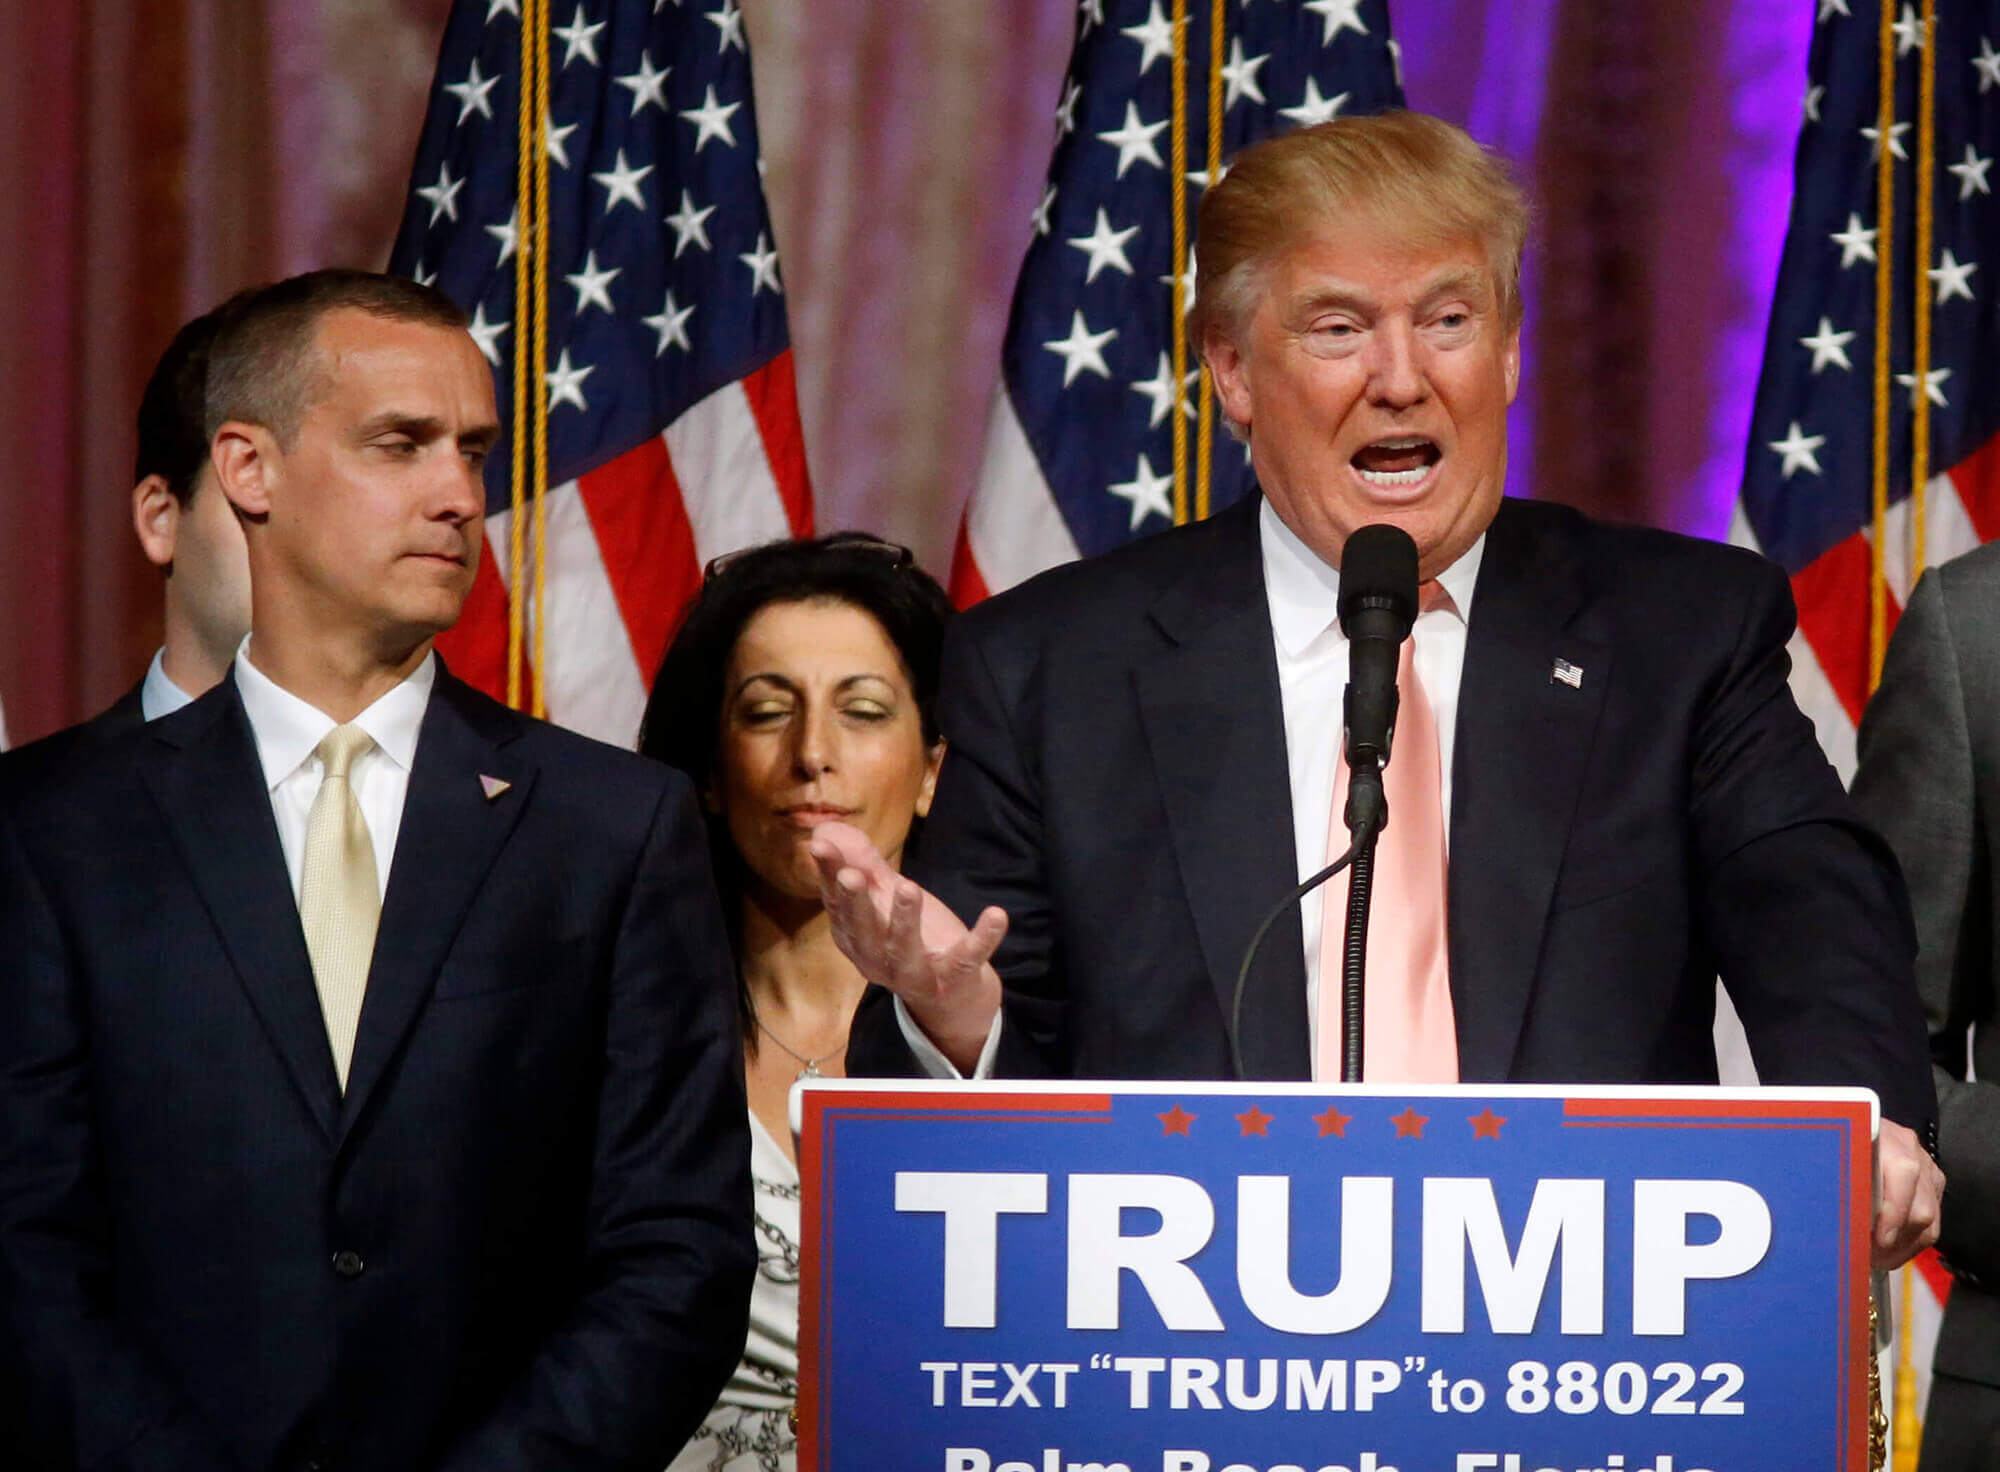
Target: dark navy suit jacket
<point x="1116" y="780"/>
<point x="521" y="1239"/>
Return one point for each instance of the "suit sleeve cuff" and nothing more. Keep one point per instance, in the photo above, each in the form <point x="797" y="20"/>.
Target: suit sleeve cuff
<point x="932" y="1061"/>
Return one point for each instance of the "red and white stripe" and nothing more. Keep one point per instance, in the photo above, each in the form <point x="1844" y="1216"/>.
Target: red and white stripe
<point x="1830" y="650"/>
<point x="1013" y="528"/>
<point x="626" y="546"/>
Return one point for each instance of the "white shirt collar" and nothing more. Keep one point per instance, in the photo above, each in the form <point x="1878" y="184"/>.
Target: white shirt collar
<point x="160" y="696"/>
<point x="288" y="729"/>
<point x="1304" y="593"/>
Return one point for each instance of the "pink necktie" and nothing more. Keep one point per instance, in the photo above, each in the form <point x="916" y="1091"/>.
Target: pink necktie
<point x="1408" y="1034"/>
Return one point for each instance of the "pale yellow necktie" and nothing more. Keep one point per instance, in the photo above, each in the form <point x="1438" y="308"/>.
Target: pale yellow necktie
<point x="340" y="900"/>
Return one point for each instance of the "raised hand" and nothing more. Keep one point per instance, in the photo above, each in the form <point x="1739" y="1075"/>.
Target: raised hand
<point x="905" y="939"/>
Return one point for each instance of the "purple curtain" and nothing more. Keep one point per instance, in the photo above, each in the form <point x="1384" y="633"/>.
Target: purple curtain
<point x="157" y="156"/>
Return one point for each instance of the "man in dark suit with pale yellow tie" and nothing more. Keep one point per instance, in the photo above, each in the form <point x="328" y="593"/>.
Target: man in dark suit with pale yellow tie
<point x="369" y="1089"/>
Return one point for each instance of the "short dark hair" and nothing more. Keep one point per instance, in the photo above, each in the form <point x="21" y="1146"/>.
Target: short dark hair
<point x="683" y="721"/>
<point x="260" y="365"/>
<point x="172" y="430"/>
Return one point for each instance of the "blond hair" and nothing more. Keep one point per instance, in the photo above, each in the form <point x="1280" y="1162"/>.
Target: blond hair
<point x="1414" y="177"/>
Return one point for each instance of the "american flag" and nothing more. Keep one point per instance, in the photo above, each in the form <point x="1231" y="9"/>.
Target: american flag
<point x="673" y="424"/>
<point x="1807" y="485"/>
<point x="1808" y="477"/>
<point x="1079" y="450"/>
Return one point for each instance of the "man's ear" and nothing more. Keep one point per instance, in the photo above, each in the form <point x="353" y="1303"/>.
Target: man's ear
<point x="1232" y="377"/>
<point x="244" y="456"/>
<point x="156" y="519"/>
<point x="927" y="789"/>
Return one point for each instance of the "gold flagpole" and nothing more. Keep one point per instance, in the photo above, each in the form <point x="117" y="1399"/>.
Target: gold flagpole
<point x="1907" y="1439"/>
<point x="1920" y="422"/>
<point x="539" y="368"/>
<point x="527" y="141"/>
<point x="1204" y="417"/>
<point x="1885" y="209"/>
<point x="1175" y="275"/>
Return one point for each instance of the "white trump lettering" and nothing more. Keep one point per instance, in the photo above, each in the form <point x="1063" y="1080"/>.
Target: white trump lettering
<point x="1264" y="1255"/>
<point x="972" y="1203"/>
<point x="1462" y="1212"/>
<point x="1100" y="1253"/>
<point x="1664" y="1261"/>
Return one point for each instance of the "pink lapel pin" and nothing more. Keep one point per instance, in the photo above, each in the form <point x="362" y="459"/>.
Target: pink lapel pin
<point x="493" y="786"/>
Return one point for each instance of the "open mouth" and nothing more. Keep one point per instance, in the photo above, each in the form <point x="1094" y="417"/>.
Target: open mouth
<point x="1398" y="462"/>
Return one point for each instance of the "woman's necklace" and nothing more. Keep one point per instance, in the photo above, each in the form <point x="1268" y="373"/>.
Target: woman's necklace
<point x="811" y="1069"/>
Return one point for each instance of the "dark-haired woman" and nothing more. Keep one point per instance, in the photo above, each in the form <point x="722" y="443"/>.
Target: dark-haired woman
<point x="799" y="690"/>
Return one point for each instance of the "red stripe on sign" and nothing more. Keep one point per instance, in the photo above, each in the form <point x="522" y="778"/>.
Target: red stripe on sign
<point x="1731" y="1112"/>
<point x="1977" y="479"/>
<point x="643" y="536"/>
<point x="1832" y="594"/>
<point x="967" y="586"/>
<point x="955" y="1104"/>
<point x="774" y="403"/>
<point x="475" y="647"/>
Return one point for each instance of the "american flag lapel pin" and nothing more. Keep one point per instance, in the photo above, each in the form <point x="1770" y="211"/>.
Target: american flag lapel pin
<point x="1565" y="673"/>
<point x="493" y="786"/>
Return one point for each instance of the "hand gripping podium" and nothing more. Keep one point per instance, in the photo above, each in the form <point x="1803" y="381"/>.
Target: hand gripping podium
<point x="1118" y="1277"/>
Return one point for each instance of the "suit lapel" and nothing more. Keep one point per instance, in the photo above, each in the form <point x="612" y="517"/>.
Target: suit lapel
<point x="1523" y="741"/>
<point x="1210" y="705"/>
<point x="450" y="834"/>
<point x="205" y="775"/>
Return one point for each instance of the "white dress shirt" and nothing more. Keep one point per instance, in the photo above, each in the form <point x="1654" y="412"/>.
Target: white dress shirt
<point x="160" y="696"/>
<point x="1304" y="598"/>
<point x="287" y="730"/>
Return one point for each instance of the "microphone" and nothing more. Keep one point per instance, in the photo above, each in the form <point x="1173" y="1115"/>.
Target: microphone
<point x="1378" y="604"/>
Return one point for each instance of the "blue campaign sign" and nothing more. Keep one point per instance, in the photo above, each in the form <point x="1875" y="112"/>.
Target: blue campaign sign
<point x="1294" y="1278"/>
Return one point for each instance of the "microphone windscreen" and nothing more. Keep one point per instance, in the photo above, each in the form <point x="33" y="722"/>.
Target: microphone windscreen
<point x="1378" y="571"/>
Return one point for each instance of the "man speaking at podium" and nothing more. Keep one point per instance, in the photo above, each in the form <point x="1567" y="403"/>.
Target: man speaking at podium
<point x="1600" y="775"/>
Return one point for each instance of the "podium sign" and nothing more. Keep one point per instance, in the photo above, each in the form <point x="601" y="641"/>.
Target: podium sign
<point x="1299" y="1278"/>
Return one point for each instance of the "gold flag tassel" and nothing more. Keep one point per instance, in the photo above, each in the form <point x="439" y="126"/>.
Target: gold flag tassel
<point x="1909" y="1432"/>
<point x="1878" y="1424"/>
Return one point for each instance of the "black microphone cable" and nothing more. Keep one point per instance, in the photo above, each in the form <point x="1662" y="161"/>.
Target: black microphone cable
<point x="1362" y="837"/>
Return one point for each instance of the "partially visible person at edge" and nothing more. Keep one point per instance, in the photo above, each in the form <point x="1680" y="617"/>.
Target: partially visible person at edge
<point x="799" y="689"/>
<point x="186" y="528"/>
<point x="1603" y="794"/>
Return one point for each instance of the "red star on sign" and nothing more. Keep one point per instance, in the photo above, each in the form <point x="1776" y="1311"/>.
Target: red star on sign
<point x="1333" y="1122"/>
<point x="1486" y="1124"/>
<point x="1253" y="1121"/>
<point x="1410" y="1124"/>
<point x="1175" y="1121"/>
